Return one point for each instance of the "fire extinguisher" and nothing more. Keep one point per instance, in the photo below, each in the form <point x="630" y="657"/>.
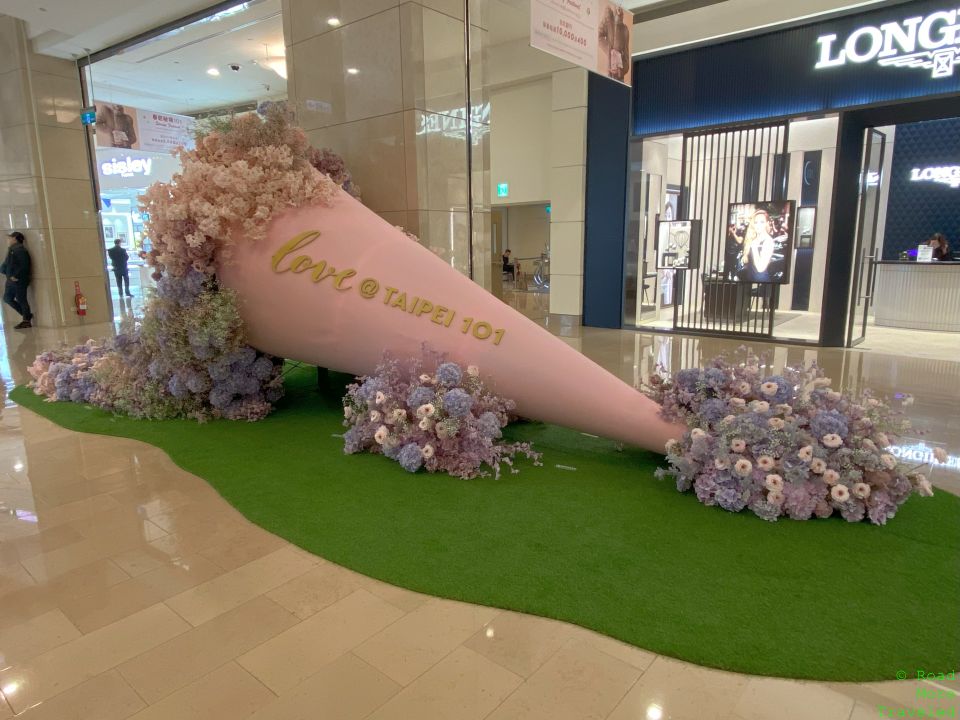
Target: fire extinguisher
<point x="80" y="300"/>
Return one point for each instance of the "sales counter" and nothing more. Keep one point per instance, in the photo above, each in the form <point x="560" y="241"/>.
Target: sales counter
<point x="917" y="296"/>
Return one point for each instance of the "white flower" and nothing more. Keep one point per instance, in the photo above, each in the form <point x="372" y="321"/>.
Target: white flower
<point x="425" y="379"/>
<point x="729" y="418"/>
<point x="398" y="415"/>
<point x="738" y="445"/>
<point x="822" y="382"/>
<point x="831" y="477"/>
<point x="375" y="416"/>
<point x="834" y="396"/>
<point x="769" y="388"/>
<point x="427" y="451"/>
<point x="776" y="423"/>
<point x="427" y="410"/>
<point x="907" y="401"/>
<point x="818" y="466"/>
<point x="381" y="434"/>
<point x="743" y="467"/>
<point x="760" y="406"/>
<point x="473" y="371"/>
<point x="861" y="490"/>
<point x="940" y="455"/>
<point x="425" y="424"/>
<point x="671" y="445"/>
<point x="924" y="488"/>
<point x="805" y="453"/>
<point x="775" y="497"/>
<point x="888" y="461"/>
<point x="765" y="462"/>
<point x="832" y="440"/>
<point x="840" y="493"/>
<point x="744" y="388"/>
<point x="721" y="464"/>
<point x="882" y="440"/>
<point x="697" y="434"/>
<point x="738" y="402"/>
<point x="348" y="412"/>
<point x="773" y="482"/>
<point x="380" y="398"/>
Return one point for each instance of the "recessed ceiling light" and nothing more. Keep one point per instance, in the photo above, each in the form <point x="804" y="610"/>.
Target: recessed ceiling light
<point x="353" y="71"/>
<point x="42" y="9"/>
<point x="213" y="72"/>
<point x="333" y="22"/>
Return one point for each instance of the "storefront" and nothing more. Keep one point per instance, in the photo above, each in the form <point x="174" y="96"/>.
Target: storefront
<point x="779" y="186"/>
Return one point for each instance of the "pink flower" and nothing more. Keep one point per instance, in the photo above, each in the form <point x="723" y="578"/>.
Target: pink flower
<point x="425" y="424"/>
<point x="671" y="445"/>
<point x="773" y="482"/>
<point x="721" y="463"/>
<point x="868" y="444"/>
<point x="760" y="406"/>
<point x="769" y="388"/>
<point x="375" y="416"/>
<point x="861" y="490"/>
<point x="427" y="451"/>
<point x="473" y="371"/>
<point x="840" y="493"/>
<point x="818" y="466"/>
<point x="831" y="477"/>
<point x="697" y="434"/>
<point x="380" y="398"/>
<point x="765" y="462"/>
<point x="425" y="379"/>
<point x="940" y="455"/>
<point x="743" y="467"/>
<point x="425" y="411"/>
<point x="882" y="440"/>
<point x="744" y="388"/>
<point x="775" y="497"/>
<point x="805" y="453"/>
<point x="738" y="445"/>
<point x="729" y="418"/>
<point x="776" y="423"/>
<point x="888" y="461"/>
<point x="832" y="440"/>
<point x="348" y="412"/>
<point x="738" y="402"/>
<point x="784" y="410"/>
<point x="381" y="434"/>
<point x="833" y="396"/>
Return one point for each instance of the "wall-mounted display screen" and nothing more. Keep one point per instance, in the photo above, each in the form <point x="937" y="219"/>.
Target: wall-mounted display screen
<point x="678" y="244"/>
<point x="806" y="226"/>
<point x="759" y="241"/>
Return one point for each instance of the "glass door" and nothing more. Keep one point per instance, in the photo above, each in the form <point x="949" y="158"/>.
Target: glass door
<point x="864" y="271"/>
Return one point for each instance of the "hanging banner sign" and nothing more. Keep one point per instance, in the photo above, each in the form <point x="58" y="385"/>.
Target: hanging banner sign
<point x="129" y="128"/>
<point x="594" y="34"/>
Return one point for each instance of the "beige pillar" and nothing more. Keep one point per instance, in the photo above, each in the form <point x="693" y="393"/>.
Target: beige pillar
<point x="568" y="173"/>
<point x="383" y="84"/>
<point x="46" y="190"/>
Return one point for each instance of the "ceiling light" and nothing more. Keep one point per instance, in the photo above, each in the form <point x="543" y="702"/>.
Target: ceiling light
<point x="654" y="712"/>
<point x="333" y="22"/>
<point x="214" y="72"/>
<point x="353" y="71"/>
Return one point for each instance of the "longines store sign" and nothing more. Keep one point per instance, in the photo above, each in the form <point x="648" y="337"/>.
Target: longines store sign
<point x="929" y="42"/>
<point x="896" y="52"/>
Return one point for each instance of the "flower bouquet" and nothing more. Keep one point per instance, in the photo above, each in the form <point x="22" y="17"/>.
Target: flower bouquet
<point x="783" y="445"/>
<point x="442" y="421"/>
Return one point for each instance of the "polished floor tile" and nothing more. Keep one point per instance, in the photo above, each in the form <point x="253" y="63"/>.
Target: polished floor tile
<point x="129" y="588"/>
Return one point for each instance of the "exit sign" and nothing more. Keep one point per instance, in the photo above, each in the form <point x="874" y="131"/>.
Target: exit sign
<point x="503" y="189"/>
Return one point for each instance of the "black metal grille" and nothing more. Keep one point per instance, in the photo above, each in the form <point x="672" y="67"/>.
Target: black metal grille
<point x="743" y="164"/>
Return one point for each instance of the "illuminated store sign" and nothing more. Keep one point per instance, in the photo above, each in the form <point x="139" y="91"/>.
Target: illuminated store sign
<point x="128" y="167"/>
<point x="931" y="42"/>
<point x="946" y="174"/>
<point x="920" y="453"/>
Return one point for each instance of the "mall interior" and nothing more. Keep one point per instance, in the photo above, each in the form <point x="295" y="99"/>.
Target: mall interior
<point x="621" y="215"/>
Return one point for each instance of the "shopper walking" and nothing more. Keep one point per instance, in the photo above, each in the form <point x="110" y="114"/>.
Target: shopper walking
<point x="17" y="269"/>
<point x="119" y="258"/>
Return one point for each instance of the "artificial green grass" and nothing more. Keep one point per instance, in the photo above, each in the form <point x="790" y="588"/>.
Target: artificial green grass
<point x="605" y="546"/>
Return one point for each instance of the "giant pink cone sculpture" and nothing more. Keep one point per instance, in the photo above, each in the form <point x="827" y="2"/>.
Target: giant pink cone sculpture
<point x="337" y="286"/>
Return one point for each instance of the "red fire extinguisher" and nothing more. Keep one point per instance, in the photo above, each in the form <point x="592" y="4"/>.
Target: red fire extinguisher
<point x="80" y="300"/>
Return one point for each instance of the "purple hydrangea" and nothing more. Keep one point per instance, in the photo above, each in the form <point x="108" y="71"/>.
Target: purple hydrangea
<point x="765" y="510"/>
<point x="457" y="402"/>
<point x="715" y="379"/>
<point x="853" y="510"/>
<point x="410" y="457"/>
<point x="489" y="426"/>
<point x="688" y="379"/>
<point x="800" y="500"/>
<point x="713" y="410"/>
<point x="784" y="390"/>
<point x="419" y="396"/>
<point x="730" y="499"/>
<point x="827" y="422"/>
<point x="880" y="507"/>
<point x="706" y="489"/>
<point x="449" y="374"/>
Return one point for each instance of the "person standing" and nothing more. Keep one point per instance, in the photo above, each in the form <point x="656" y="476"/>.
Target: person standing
<point x="119" y="258"/>
<point x="17" y="269"/>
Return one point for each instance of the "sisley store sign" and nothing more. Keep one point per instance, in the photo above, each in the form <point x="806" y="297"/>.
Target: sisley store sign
<point x="931" y="42"/>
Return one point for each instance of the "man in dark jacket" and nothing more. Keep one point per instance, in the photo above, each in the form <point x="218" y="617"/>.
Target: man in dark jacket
<point x="17" y="269"/>
<point x="119" y="257"/>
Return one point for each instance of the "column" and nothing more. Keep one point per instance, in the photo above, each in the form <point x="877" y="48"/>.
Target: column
<point x="383" y="83"/>
<point x="46" y="188"/>
<point x="567" y="187"/>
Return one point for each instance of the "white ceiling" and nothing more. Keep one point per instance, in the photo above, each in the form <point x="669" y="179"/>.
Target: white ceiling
<point x="169" y="73"/>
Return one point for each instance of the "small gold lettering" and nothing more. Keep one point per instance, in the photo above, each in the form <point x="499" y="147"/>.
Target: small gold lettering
<point x="295" y="243"/>
<point x="400" y="301"/>
<point x="391" y="291"/>
<point x="437" y="316"/>
<point x="341" y="276"/>
<point x="425" y="307"/>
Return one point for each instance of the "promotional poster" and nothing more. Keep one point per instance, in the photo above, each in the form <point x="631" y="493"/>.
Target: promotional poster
<point x="759" y="243"/>
<point x="130" y="128"/>
<point x="678" y="244"/>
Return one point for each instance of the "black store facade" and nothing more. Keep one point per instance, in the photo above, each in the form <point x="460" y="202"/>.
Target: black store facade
<point x="780" y="185"/>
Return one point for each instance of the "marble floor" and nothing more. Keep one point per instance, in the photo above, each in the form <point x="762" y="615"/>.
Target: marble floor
<point x="130" y="589"/>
